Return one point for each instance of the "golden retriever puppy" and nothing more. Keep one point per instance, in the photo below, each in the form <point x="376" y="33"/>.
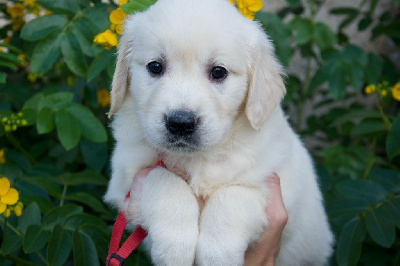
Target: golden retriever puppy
<point x="197" y="86"/>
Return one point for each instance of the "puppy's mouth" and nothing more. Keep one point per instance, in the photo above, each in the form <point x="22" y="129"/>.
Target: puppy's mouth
<point x="181" y="144"/>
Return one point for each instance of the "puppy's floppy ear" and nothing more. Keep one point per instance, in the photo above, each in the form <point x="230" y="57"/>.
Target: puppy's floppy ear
<point x="121" y="79"/>
<point x="266" y="88"/>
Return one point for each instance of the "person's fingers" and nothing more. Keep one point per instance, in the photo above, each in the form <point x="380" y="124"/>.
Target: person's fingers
<point x="276" y="211"/>
<point x="266" y="249"/>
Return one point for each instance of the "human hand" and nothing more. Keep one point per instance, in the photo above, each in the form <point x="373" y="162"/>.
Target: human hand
<point x="265" y="251"/>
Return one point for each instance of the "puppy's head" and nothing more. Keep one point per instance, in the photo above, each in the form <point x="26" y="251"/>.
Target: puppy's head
<point x="191" y="66"/>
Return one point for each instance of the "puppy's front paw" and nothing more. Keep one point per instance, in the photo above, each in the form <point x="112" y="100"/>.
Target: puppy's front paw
<point x="170" y="213"/>
<point x="232" y="218"/>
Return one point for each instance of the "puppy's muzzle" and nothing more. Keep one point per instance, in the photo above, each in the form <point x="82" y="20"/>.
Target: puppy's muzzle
<point x="181" y="123"/>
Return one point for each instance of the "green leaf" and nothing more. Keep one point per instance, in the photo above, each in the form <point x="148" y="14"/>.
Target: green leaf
<point x="304" y="29"/>
<point x="10" y="57"/>
<point x="88" y="200"/>
<point x="73" y="56"/>
<point x="100" y="238"/>
<point x="8" y="64"/>
<point x="44" y="204"/>
<point x="346" y="206"/>
<point x="380" y="226"/>
<point x="85" y="177"/>
<point x="35" y="238"/>
<point x="94" y="154"/>
<point x="348" y="248"/>
<point x="40" y="27"/>
<point x="373" y="69"/>
<point x="85" y="252"/>
<point x="33" y="102"/>
<point x="344" y="11"/>
<point x="82" y="32"/>
<point x="68" y="129"/>
<point x="337" y="84"/>
<point x="323" y="36"/>
<point x="352" y="54"/>
<point x="12" y="242"/>
<point x="279" y="33"/>
<point x="45" y="121"/>
<point x="78" y="220"/>
<point x="89" y="125"/>
<point x="356" y="115"/>
<point x="356" y="75"/>
<point x="99" y="63"/>
<point x="58" y="100"/>
<point x="2" y="78"/>
<point x="369" y="126"/>
<point x="29" y="216"/>
<point x="364" y="22"/>
<point x="319" y="78"/>
<point x="46" y="53"/>
<point x="97" y="18"/>
<point x="59" y="246"/>
<point x="58" y="215"/>
<point x="137" y="6"/>
<point x="51" y="188"/>
<point x="69" y="7"/>
<point x="361" y="189"/>
<point x="392" y="206"/>
<point x="388" y="179"/>
<point x="393" y="139"/>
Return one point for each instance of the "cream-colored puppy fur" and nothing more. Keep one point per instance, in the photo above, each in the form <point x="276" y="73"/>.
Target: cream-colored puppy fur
<point x="241" y="138"/>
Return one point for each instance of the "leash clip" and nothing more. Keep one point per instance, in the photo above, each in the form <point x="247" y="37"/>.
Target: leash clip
<point x="119" y="258"/>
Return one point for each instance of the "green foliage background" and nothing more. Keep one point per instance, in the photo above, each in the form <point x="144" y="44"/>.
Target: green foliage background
<point x="58" y="161"/>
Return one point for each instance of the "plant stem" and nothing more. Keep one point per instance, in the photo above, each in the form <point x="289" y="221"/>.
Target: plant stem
<point x="41" y="257"/>
<point x="18" y="146"/>
<point x="15" y="230"/>
<point x="386" y="121"/>
<point x="63" y="195"/>
<point x="18" y="261"/>
<point x="4" y="233"/>
<point x="370" y="163"/>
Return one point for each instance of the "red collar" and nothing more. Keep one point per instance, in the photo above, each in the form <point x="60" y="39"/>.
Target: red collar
<point x="117" y="256"/>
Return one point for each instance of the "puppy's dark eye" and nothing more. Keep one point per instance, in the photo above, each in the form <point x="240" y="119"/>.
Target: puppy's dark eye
<point x="155" y="68"/>
<point x="218" y="73"/>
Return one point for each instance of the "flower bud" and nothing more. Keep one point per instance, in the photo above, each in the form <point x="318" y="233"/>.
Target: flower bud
<point x="7" y="213"/>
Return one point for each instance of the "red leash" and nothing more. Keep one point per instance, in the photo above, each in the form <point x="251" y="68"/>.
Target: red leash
<point x="117" y="256"/>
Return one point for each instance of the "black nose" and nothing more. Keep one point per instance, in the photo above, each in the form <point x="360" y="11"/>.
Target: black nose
<point x="181" y="123"/>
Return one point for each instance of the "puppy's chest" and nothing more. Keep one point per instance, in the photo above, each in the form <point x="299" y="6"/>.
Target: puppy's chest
<point x="205" y="178"/>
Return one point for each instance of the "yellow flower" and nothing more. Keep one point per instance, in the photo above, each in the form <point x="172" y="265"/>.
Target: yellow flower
<point x="2" y="157"/>
<point x="121" y="2"/>
<point x="107" y="39"/>
<point x="117" y="16"/>
<point x="18" y="208"/>
<point x="248" y="7"/>
<point x="383" y="93"/>
<point x="32" y="77"/>
<point x="396" y="91"/>
<point x="119" y="29"/>
<point x="7" y="40"/>
<point x="370" y="89"/>
<point x="29" y="2"/>
<point x="8" y="196"/>
<point x="16" y="11"/>
<point x="7" y="213"/>
<point x="103" y="98"/>
<point x="21" y="58"/>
